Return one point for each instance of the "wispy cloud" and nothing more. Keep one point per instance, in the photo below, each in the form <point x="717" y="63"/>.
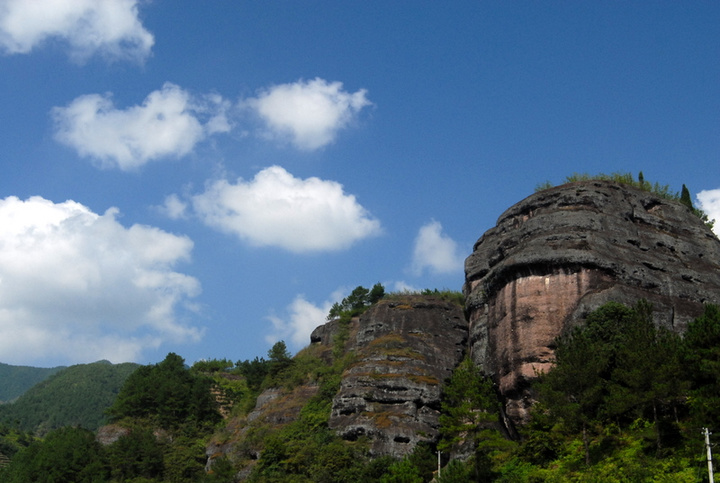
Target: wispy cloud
<point x="308" y="114"/>
<point x="79" y="286"/>
<point x="435" y="251"/>
<point x="167" y="124"/>
<point x="709" y="202"/>
<point x="108" y="27"/>
<point x="277" y="209"/>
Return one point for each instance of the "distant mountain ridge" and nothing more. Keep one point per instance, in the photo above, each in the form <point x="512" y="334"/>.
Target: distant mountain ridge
<point x="73" y="396"/>
<point x="15" y="380"/>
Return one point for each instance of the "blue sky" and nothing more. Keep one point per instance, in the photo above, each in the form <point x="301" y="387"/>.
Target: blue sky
<point x="209" y="177"/>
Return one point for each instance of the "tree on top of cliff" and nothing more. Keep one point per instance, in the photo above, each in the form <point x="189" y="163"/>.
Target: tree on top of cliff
<point x="685" y="197"/>
<point x="359" y="299"/>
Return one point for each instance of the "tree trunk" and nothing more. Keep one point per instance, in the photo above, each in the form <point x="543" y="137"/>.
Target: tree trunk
<point x="657" y="427"/>
<point x="586" y="445"/>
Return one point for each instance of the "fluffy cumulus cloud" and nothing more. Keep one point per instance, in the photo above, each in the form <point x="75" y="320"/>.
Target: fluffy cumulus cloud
<point x="108" y="27"/>
<point x="77" y="286"/>
<point x="709" y="202"/>
<point x="310" y="113"/>
<point x="301" y="319"/>
<point x="169" y="123"/>
<point x="435" y="251"/>
<point x="277" y="209"/>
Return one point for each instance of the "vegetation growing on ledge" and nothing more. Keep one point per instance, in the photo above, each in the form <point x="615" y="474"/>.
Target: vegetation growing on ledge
<point x="445" y="294"/>
<point x="662" y="191"/>
<point x="359" y="300"/>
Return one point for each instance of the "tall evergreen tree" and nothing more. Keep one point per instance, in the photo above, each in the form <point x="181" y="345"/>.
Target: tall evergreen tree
<point x="685" y="198"/>
<point x="701" y="359"/>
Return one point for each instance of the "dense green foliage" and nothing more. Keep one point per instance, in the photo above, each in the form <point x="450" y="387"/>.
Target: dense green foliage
<point x="166" y="394"/>
<point x="624" y="402"/>
<point x="66" y="455"/>
<point x="359" y="299"/>
<point x="15" y="380"/>
<point x="12" y="440"/>
<point x="75" y="396"/>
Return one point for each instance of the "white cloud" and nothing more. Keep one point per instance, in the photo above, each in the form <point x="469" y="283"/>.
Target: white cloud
<point x="302" y="318"/>
<point x="308" y="113"/>
<point x="435" y="251"/>
<point x="171" y="122"/>
<point x="277" y="209"/>
<point x="167" y="124"/>
<point x="76" y="286"/>
<point x="174" y="208"/>
<point x="108" y="27"/>
<point x="709" y="201"/>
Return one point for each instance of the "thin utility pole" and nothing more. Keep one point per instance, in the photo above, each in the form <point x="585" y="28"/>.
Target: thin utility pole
<point x="439" y="465"/>
<point x="709" y="454"/>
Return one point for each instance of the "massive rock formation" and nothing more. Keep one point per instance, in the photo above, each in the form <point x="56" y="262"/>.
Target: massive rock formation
<point x="551" y="259"/>
<point x="563" y="252"/>
<point x="405" y="348"/>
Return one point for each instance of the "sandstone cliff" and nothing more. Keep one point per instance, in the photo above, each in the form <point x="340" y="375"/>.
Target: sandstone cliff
<point x="405" y="348"/>
<point x="550" y="260"/>
<point x="563" y="252"/>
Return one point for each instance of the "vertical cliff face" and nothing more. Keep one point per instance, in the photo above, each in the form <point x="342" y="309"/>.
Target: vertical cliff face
<point x="563" y="252"/>
<point x="405" y="348"/>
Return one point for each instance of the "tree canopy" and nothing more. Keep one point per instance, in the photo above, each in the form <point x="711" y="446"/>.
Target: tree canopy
<point x="168" y="393"/>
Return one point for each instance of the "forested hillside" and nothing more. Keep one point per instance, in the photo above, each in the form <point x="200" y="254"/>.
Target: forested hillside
<point x="15" y="380"/>
<point x="75" y="396"/>
<point x="626" y="402"/>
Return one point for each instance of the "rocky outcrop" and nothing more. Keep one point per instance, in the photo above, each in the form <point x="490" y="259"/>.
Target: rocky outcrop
<point x="274" y="408"/>
<point x="405" y="348"/>
<point x="110" y="433"/>
<point x="563" y="252"/>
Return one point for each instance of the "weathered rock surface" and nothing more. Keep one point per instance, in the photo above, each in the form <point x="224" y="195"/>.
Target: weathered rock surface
<point x="274" y="407"/>
<point x="563" y="252"/>
<point x="405" y="349"/>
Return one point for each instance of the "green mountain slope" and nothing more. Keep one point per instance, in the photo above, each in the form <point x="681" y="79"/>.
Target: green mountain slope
<point x="15" y="380"/>
<point x="75" y="396"/>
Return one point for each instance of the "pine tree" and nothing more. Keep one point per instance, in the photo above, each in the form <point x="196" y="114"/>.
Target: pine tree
<point x="701" y="358"/>
<point x="685" y="198"/>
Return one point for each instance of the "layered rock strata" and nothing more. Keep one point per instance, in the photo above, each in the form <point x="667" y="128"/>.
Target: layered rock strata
<point x="405" y="348"/>
<point x="561" y="253"/>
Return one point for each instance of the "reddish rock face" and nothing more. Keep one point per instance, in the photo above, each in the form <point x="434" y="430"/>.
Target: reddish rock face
<point x="562" y="253"/>
<point x="522" y="324"/>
